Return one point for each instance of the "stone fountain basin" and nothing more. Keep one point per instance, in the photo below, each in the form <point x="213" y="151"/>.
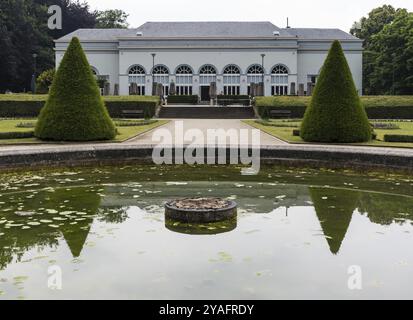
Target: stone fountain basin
<point x="186" y="210"/>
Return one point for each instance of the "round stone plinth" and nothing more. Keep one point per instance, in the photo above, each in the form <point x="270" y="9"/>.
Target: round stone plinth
<point x="200" y="210"/>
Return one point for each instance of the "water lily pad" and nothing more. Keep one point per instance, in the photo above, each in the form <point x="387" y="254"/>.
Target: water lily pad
<point x="34" y="223"/>
<point x="25" y="213"/>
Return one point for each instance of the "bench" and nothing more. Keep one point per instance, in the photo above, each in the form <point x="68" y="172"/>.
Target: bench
<point x="280" y="113"/>
<point x="133" y="113"/>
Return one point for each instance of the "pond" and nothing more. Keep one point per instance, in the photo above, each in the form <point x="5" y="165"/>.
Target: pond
<point x="100" y="233"/>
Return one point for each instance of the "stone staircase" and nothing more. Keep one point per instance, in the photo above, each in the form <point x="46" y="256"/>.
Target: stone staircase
<point x="206" y="112"/>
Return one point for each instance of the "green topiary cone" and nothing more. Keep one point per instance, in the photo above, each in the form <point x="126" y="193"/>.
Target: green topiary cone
<point x="74" y="110"/>
<point x="335" y="113"/>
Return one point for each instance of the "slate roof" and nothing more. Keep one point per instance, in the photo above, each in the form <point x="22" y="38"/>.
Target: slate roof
<point x="207" y="29"/>
<point x="320" y="34"/>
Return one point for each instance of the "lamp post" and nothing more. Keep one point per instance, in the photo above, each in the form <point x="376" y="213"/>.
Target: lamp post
<point x="263" y="73"/>
<point x="153" y="67"/>
<point x="33" y="84"/>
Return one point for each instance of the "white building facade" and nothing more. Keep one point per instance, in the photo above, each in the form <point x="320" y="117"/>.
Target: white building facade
<point x="194" y="54"/>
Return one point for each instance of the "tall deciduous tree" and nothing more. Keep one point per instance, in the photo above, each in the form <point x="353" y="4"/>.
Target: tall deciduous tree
<point x="24" y="31"/>
<point x="116" y="19"/>
<point x="388" y="50"/>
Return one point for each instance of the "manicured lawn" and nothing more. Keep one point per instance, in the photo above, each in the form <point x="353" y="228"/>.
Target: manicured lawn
<point x="125" y="133"/>
<point x="286" y="134"/>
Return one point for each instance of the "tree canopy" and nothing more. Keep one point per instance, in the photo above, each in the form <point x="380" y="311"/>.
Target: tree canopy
<point x="24" y="31"/>
<point x="115" y="19"/>
<point x="388" y="50"/>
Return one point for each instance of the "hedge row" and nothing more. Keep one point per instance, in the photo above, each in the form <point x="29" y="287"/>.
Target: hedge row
<point x="189" y="99"/>
<point x="236" y="99"/>
<point x="22" y="106"/>
<point x="377" y="107"/>
<point x="16" y="135"/>
<point x="398" y="138"/>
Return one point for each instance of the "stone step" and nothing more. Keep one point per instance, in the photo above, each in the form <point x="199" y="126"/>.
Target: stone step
<point x="200" y="112"/>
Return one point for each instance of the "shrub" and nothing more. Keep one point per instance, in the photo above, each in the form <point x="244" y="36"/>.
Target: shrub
<point x="236" y="99"/>
<point x="74" y="110"/>
<point x="44" y="81"/>
<point x="29" y="106"/>
<point x="276" y="124"/>
<point x="398" y="138"/>
<point x="385" y="125"/>
<point x="26" y="125"/>
<point x="377" y="107"/>
<point x="16" y="135"/>
<point x="129" y="123"/>
<point x="191" y="99"/>
<point x="335" y="113"/>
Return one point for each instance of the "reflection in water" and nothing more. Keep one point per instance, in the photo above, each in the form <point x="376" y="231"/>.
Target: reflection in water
<point x="213" y="228"/>
<point x="334" y="211"/>
<point x="38" y="213"/>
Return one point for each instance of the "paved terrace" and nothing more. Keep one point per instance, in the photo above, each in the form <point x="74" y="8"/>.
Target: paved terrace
<point x="140" y="149"/>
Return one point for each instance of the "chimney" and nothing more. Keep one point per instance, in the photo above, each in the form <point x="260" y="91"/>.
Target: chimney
<point x="288" y="23"/>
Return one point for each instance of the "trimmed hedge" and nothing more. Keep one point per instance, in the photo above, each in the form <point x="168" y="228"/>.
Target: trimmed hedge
<point x="398" y="138"/>
<point x="74" y="110"/>
<point x="189" y="99"/>
<point x="134" y="123"/>
<point x="335" y="113"/>
<point x="16" y="135"/>
<point x="236" y="99"/>
<point x="29" y="106"/>
<point x="377" y="107"/>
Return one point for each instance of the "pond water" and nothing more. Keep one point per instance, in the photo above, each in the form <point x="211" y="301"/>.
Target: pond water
<point x="300" y="233"/>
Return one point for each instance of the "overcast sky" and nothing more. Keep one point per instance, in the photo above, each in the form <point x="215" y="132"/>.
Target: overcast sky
<point x="302" y="13"/>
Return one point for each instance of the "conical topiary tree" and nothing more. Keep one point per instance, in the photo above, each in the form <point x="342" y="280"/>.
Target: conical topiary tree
<point x="74" y="110"/>
<point x="335" y="113"/>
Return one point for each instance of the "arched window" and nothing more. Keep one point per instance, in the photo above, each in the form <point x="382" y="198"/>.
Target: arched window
<point x="161" y="75"/>
<point x="137" y="80"/>
<point x="184" y="80"/>
<point x="232" y="80"/>
<point x="279" y="80"/>
<point x="207" y="74"/>
<point x="255" y="74"/>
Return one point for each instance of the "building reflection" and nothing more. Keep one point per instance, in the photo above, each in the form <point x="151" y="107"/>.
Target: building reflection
<point x="84" y="205"/>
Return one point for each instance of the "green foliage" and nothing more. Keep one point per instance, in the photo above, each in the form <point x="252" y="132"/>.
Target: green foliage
<point x="29" y="106"/>
<point x="24" y="31"/>
<point x="335" y="113"/>
<point x="74" y="110"/>
<point x="132" y="123"/>
<point x="16" y="135"/>
<point x="385" y="126"/>
<point x="334" y="211"/>
<point x="188" y="99"/>
<point x="112" y="19"/>
<point x="45" y="80"/>
<point x="398" y="138"/>
<point x="377" y="107"/>
<point x="235" y="99"/>
<point x="278" y="124"/>
<point x="388" y="50"/>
